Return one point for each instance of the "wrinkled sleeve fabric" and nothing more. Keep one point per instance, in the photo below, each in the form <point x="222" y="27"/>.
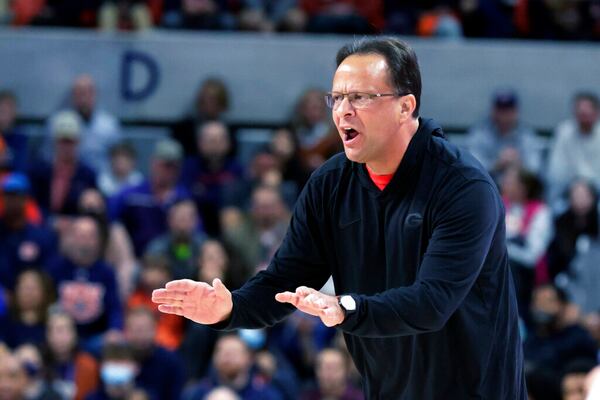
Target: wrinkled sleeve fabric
<point x="464" y="225"/>
<point x="299" y="261"/>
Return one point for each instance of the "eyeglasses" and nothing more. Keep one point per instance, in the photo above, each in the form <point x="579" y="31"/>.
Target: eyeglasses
<point x="356" y="99"/>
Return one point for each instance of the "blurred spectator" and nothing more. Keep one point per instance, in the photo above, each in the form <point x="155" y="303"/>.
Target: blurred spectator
<point x="73" y="13"/>
<point x="440" y="21"/>
<point x="13" y="378"/>
<point x="155" y="274"/>
<point x="269" y="15"/>
<point x="576" y="225"/>
<point x="118" y="372"/>
<point x="161" y="372"/>
<point x="343" y="16"/>
<point x="143" y="208"/>
<point x="489" y="19"/>
<point x="119" y="249"/>
<point x="211" y="102"/>
<point x="39" y="387"/>
<point x="285" y="147"/>
<point x="76" y="372"/>
<point x="555" y="20"/>
<point x="233" y="362"/>
<point x="100" y="130"/>
<point x="528" y="231"/>
<point x="125" y="15"/>
<point x="122" y="171"/>
<point x="502" y="140"/>
<point x="27" y="320"/>
<point x="87" y="286"/>
<point x="554" y="340"/>
<point x="32" y="211"/>
<point x="57" y="186"/>
<point x="576" y="146"/>
<point x="181" y="244"/>
<point x="22" y="244"/>
<point x="573" y="379"/>
<point x="13" y="141"/>
<point x="256" y="237"/>
<point x="332" y="378"/>
<point x="210" y="172"/>
<point x="198" y="14"/>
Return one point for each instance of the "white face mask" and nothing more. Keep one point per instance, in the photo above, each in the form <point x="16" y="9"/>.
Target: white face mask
<point x="117" y="374"/>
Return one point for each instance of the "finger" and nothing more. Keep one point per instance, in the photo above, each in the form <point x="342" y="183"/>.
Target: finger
<point x="182" y="284"/>
<point x="314" y="300"/>
<point x="161" y="294"/>
<point x="304" y="291"/>
<point x="168" y="300"/>
<point x="287" y="297"/>
<point x="170" y="309"/>
<point x="220" y="289"/>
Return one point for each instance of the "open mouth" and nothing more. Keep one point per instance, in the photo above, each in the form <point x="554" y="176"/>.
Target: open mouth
<point x="350" y="133"/>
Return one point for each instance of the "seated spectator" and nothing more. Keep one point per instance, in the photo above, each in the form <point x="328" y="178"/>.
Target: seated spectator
<point x="99" y="129"/>
<point x="344" y="16"/>
<point x="439" y="21"/>
<point x="125" y="15"/>
<point x="142" y="208"/>
<point x="122" y="171"/>
<point x="39" y="387"/>
<point x="181" y="244"/>
<point x="269" y="15"/>
<point x="197" y="15"/>
<point x="573" y="379"/>
<point x="13" y="377"/>
<point x="13" y="141"/>
<point x="332" y="378"/>
<point x="210" y="172"/>
<point x="285" y="147"/>
<point x="76" y="372"/>
<point x="26" y="322"/>
<point x="160" y="372"/>
<point x="87" y="286"/>
<point x="118" y="252"/>
<point x="16" y="182"/>
<point x="22" y="244"/>
<point x="254" y="238"/>
<point x="576" y="146"/>
<point x="118" y="371"/>
<point x="554" y="339"/>
<point x="578" y="223"/>
<point x="528" y="231"/>
<point x="57" y="186"/>
<point x="232" y="362"/>
<point x="155" y="274"/>
<point x="210" y="104"/>
<point x="502" y="140"/>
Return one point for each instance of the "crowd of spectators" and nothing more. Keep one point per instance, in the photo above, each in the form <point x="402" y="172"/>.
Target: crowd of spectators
<point x="557" y="19"/>
<point x="85" y="237"/>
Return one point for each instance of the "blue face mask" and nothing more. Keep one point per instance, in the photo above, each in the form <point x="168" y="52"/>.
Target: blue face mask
<point x="254" y="338"/>
<point x="114" y="374"/>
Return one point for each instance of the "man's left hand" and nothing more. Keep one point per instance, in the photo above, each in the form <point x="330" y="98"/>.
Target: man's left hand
<point x="314" y="303"/>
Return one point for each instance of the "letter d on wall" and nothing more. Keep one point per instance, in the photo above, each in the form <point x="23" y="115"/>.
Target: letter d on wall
<point x="139" y="76"/>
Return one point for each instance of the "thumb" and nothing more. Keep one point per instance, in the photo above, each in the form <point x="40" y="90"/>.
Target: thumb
<point x="220" y="289"/>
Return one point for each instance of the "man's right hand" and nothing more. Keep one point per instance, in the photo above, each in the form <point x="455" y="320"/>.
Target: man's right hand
<point x="197" y="301"/>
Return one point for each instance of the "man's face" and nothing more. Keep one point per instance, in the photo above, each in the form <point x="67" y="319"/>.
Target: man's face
<point x="60" y="334"/>
<point x="86" y="242"/>
<point x="267" y="207"/>
<point x="375" y="125"/>
<point x="66" y="149"/>
<point x="231" y="357"/>
<point x="140" y="331"/>
<point x="164" y="172"/>
<point x="331" y="370"/>
<point x="213" y="141"/>
<point x="183" y="220"/>
<point x="573" y="386"/>
<point x="84" y="95"/>
<point x="505" y="118"/>
<point x="12" y="378"/>
<point x="586" y="114"/>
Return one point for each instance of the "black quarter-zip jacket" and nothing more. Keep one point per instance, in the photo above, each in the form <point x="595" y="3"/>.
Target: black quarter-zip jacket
<point x="425" y="259"/>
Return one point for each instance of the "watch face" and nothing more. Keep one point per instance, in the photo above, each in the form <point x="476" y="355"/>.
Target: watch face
<point x="348" y="303"/>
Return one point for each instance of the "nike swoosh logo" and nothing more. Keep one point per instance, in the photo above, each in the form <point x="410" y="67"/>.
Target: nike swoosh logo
<point x="344" y="225"/>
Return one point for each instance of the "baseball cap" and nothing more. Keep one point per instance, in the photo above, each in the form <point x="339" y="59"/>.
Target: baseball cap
<point x="66" y="125"/>
<point x="505" y="98"/>
<point x="168" y="150"/>
<point x="15" y="183"/>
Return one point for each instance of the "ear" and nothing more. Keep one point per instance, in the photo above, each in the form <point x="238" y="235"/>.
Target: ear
<point x="408" y="103"/>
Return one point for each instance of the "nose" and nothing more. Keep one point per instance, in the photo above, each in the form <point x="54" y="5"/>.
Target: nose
<point x="345" y="108"/>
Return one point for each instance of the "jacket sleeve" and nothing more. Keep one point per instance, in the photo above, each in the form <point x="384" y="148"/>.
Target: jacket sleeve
<point x="298" y="261"/>
<point x="463" y="228"/>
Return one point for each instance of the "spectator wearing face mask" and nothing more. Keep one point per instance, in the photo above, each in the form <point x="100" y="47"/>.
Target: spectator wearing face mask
<point x="118" y="371"/>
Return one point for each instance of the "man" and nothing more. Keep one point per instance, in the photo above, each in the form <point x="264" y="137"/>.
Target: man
<point x="143" y="208"/>
<point x="332" y="378"/>
<point x="161" y="372"/>
<point x="502" y="141"/>
<point x="13" y="140"/>
<point x="412" y="230"/>
<point x="574" y="153"/>
<point x="13" y="378"/>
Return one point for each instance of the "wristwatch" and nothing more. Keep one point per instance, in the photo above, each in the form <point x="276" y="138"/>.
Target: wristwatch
<point x="347" y="304"/>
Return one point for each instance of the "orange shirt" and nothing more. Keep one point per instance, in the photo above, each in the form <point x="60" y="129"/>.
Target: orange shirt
<point x="380" y="181"/>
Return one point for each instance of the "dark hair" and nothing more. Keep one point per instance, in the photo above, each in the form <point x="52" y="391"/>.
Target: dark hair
<point x="48" y="293"/>
<point x="534" y="187"/>
<point x="586" y="95"/>
<point x="123" y="147"/>
<point x="8" y="95"/>
<point x="120" y="351"/>
<point x="221" y="91"/>
<point x="400" y="58"/>
<point x="561" y="294"/>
